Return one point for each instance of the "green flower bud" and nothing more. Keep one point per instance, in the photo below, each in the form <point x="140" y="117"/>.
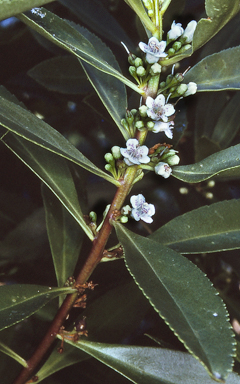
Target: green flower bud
<point x="179" y="77"/>
<point x="139" y="125"/>
<point x="155" y="69"/>
<point x="116" y="152"/>
<point x="131" y="59"/>
<point x="185" y="48"/>
<point x="177" y="45"/>
<point x="150" y="13"/>
<point x="171" y="52"/>
<point x="133" y="111"/>
<point x="125" y="124"/>
<point x="169" y="79"/>
<point x="93" y="216"/>
<point x="141" y="71"/>
<point x="138" y="62"/>
<point x="132" y="71"/>
<point x="173" y="160"/>
<point x="181" y="89"/>
<point x="143" y="110"/>
<point x="129" y="117"/>
<point x="124" y="219"/>
<point x="109" y="158"/>
<point x="150" y="125"/>
<point x="108" y="167"/>
<point x="147" y="4"/>
<point x="162" y="84"/>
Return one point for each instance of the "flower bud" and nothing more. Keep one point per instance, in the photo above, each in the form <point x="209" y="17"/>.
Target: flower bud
<point x="179" y="77"/>
<point x="162" y="84"/>
<point x="132" y="71"/>
<point x="93" y="216"/>
<point x="147" y="4"/>
<point x="150" y="125"/>
<point x="163" y="170"/>
<point x="185" y="48"/>
<point x="177" y="45"/>
<point x="108" y="167"/>
<point x="129" y="117"/>
<point x="116" y="152"/>
<point x="173" y="160"/>
<point x="181" y="89"/>
<point x="171" y="52"/>
<point x="131" y="58"/>
<point x="124" y="219"/>
<point x="143" y="110"/>
<point x="109" y="158"/>
<point x="155" y="69"/>
<point x="189" y="31"/>
<point x="169" y="79"/>
<point x="125" y="124"/>
<point x="138" y="62"/>
<point x="150" y="13"/>
<point x="191" y="89"/>
<point x="141" y="71"/>
<point x="139" y="125"/>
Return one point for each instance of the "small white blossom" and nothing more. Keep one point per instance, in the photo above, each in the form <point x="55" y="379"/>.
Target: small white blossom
<point x="154" y="50"/>
<point x="189" y="31"/>
<point x="134" y="153"/>
<point x="157" y="109"/>
<point x="126" y="210"/>
<point x="175" y="32"/>
<point x="163" y="170"/>
<point x="141" y="210"/>
<point x="160" y="126"/>
<point x="191" y="89"/>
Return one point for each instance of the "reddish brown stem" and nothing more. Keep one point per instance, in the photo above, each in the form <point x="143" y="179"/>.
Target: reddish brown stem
<point x="92" y="261"/>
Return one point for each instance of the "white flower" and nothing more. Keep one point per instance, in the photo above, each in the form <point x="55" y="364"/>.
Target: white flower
<point x="134" y="153"/>
<point x="154" y="50"/>
<point x="189" y="31"/>
<point x="163" y="170"/>
<point x="175" y="31"/>
<point x="157" y="109"/>
<point x="191" y="89"/>
<point x="160" y="126"/>
<point x="141" y="210"/>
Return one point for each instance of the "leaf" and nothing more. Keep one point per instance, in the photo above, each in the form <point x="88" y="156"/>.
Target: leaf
<point x="219" y="12"/>
<point x="67" y="37"/>
<point x="19" y="301"/>
<point x="53" y="170"/>
<point x="207" y="229"/>
<point x="61" y="74"/>
<point x="224" y="163"/>
<point x="65" y="236"/>
<point x="9" y="8"/>
<point x="184" y="297"/>
<point x="139" y="9"/>
<point x="149" y="365"/>
<point x="111" y="92"/>
<point x="217" y="72"/>
<point x="58" y="361"/>
<point x="25" y="124"/>
<point x="8" y="351"/>
<point x="93" y="14"/>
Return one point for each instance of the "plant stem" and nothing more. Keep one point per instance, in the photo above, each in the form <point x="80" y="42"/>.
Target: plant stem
<point x="92" y="261"/>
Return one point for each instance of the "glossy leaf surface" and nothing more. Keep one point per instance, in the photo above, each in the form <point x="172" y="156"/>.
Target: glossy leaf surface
<point x="53" y="170"/>
<point x="65" y="236"/>
<point x="217" y="72"/>
<point x="58" y="361"/>
<point x="19" y="301"/>
<point x="144" y="365"/>
<point x="211" y="228"/>
<point x="184" y="297"/>
<point x="25" y="124"/>
<point x="110" y="90"/>
<point x="67" y="37"/>
<point x="62" y="74"/>
<point x="226" y="163"/>
<point x="8" y="351"/>
<point x="13" y="7"/>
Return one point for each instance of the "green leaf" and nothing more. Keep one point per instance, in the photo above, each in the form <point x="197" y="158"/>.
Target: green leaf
<point x="211" y="228"/>
<point x="25" y="124"/>
<point x="184" y="297"/>
<point x="217" y="72"/>
<point x="13" y="7"/>
<point x="58" y="361"/>
<point x="94" y="15"/>
<point x="54" y="171"/>
<point x="65" y="236"/>
<point x="139" y="9"/>
<point x="19" y="301"/>
<point x="226" y="163"/>
<point x="61" y="74"/>
<point x="149" y="365"/>
<point x="219" y="12"/>
<point x="111" y="92"/>
<point x="8" y="351"/>
<point x="63" y="34"/>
